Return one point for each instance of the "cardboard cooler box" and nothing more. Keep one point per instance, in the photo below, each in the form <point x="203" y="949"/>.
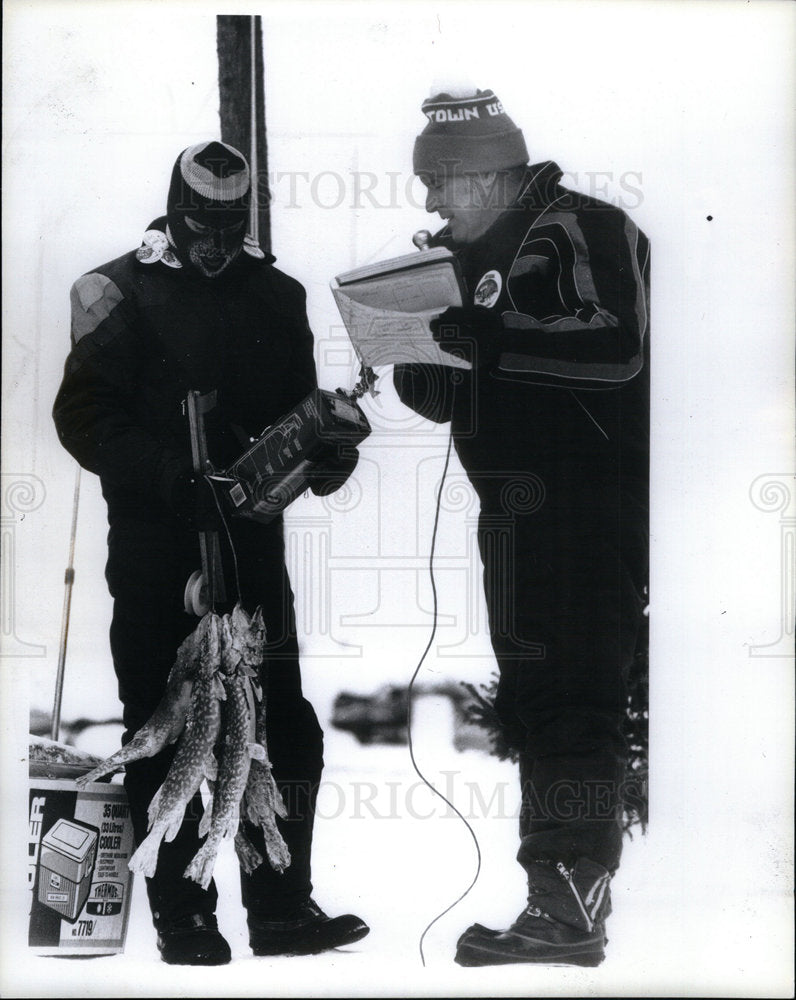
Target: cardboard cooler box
<point x="79" y="846"/>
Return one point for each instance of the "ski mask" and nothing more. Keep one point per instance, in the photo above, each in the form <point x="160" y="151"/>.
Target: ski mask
<point x="208" y="206"/>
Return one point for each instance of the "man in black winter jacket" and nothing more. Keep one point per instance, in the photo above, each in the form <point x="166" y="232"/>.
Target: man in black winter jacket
<point x="551" y="425"/>
<point x="199" y="306"/>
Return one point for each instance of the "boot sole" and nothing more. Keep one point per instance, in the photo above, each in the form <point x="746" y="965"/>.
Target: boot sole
<point x="173" y="957"/>
<point x="273" y="948"/>
<point x="188" y="949"/>
<point x="202" y="960"/>
<point x="471" y="954"/>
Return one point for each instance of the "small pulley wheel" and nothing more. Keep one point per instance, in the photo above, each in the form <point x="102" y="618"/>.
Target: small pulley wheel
<point x="195" y="600"/>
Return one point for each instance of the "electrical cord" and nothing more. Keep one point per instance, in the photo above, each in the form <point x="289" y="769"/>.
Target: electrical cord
<point x="420" y="774"/>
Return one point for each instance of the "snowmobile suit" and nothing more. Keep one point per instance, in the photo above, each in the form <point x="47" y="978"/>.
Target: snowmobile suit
<point x="554" y="439"/>
<point x="144" y="333"/>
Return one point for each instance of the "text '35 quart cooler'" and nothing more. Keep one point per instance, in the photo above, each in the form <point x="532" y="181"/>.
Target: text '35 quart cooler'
<point x="79" y="846"/>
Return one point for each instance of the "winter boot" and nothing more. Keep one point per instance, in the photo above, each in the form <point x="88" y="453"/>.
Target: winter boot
<point x="563" y="923"/>
<point x="192" y="940"/>
<point x="305" y="931"/>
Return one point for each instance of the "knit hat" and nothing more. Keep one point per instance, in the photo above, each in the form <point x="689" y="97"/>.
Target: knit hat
<point x="468" y="134"/>
<point x="210" y="182"/>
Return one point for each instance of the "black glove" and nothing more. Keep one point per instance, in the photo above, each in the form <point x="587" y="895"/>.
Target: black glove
<point x="193" y="503"/>
<point x="472" y="333"/>
<point x="328" y="473"/>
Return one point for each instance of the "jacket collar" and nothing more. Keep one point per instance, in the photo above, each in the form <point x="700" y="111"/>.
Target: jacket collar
<point x="540" y="186"/>
<point x="157" y="249"/>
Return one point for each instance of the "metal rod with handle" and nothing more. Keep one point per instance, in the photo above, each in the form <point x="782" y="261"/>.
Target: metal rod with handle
<point x="69" y="579"/>
<point x="208" y="540"/>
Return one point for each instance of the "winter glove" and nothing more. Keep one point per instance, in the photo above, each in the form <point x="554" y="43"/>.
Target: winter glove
<point x="330" y="471"/>
<point x="472" y="333"/>
<point x="193" y="503"/>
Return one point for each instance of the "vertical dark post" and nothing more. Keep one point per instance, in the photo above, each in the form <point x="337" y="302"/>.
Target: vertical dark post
<point x="238" y="37"/>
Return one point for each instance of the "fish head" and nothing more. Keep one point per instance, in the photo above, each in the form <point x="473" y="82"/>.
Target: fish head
<point x="231" y="656"/>
<point x="240" y="619"/>
<point x="255" y="639"/>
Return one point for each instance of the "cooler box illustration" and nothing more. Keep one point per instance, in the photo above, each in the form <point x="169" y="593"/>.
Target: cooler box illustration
<point x="79" y="844"/>
<point x="66" y="864"/>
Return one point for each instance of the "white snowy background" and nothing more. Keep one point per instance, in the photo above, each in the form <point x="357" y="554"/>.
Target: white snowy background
<point x="677" y="112"/>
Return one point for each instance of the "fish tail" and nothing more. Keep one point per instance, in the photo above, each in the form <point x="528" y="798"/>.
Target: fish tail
<point x="201" y="868"/>
<point x="145" y="858"/>
<point x="276" y="848"/>
<point x="248" y="855"/>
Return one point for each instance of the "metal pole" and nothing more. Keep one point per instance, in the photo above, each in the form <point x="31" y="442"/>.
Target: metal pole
<point x="208" y="540"/>
<point x="69" y="579"/>
<point x="254" y="208"/>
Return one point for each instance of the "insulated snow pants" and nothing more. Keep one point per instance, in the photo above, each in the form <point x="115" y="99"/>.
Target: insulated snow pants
<point x="564" y="578"/>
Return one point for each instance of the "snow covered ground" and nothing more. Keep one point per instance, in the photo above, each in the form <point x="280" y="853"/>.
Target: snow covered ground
<point x="387" y="849"/>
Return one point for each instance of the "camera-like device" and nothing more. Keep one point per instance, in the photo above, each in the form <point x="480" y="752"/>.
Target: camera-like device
<point x="277" y="467"/>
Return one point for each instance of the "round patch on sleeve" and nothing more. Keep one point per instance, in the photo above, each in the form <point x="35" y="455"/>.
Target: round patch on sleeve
<point x="488" y="289"/>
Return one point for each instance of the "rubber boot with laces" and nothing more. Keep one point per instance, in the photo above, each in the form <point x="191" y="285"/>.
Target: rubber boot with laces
<point x="563" y="923"/>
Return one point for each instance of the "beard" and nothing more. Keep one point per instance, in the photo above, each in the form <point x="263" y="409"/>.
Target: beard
<point x="209" y="259"/>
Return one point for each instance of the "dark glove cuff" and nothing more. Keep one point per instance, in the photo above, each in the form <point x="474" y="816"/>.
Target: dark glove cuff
<point x="329" y="474"/>
<point x="481" y="318"/>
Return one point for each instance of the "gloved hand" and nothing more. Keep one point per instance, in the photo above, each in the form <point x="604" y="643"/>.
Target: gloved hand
<point x="332" y="469"/>
<point x="472" y="333"/>
<point x="194" y="505"/>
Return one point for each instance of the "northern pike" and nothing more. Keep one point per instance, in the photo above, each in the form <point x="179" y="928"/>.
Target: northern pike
<point x="262" y="798"/>
<point x="234" y="759"/>
<point x="167" y="721"/>
<point x="194" y="756"/>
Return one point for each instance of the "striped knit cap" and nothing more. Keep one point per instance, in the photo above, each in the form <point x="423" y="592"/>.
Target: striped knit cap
<point x="467" y="134"/>
<point x="210" y="182"/>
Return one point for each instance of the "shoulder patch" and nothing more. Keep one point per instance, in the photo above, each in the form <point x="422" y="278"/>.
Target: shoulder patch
<point x="94" y="297"/>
